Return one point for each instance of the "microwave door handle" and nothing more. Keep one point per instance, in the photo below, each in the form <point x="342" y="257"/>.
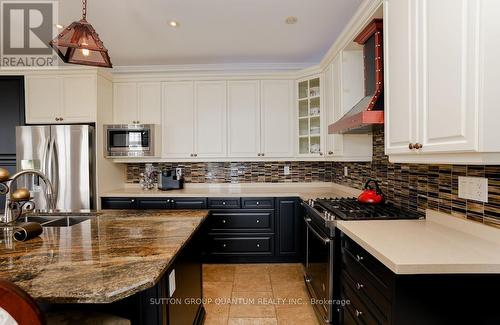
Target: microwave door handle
<point x="325" y="240"/>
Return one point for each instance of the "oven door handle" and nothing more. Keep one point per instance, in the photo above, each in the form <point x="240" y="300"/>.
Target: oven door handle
<point x="325" y="240"/>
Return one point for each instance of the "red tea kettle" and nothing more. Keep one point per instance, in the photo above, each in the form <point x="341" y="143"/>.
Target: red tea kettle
<point x="371" y="194"/>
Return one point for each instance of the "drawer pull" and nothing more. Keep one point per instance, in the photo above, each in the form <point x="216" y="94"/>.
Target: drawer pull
<point x="258" y="203"/>
<point x="223" y="221"/>
<point x="258" y="221"/>
<point x="223" y="245"/>
<point x="359" y="286"/>
<point x="359" y="313"/>
<point x="223" y="203"/>
<point x="258" y="245"/>
<point x="359" y="258"/>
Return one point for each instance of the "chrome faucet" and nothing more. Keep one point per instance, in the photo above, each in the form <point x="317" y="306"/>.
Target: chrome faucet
<point x="49" y="193"/>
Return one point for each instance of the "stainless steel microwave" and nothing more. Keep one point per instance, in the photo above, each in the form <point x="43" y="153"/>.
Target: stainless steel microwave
<point x="134" y="140"/>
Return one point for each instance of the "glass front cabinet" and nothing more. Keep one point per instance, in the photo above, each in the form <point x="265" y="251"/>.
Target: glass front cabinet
<point x="310" y="117"/>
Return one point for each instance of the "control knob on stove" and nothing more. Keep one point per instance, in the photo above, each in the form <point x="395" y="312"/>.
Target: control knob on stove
<point x="311" y="202"/>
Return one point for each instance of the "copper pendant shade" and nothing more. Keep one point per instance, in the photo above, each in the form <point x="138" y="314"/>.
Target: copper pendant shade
<point x="80" y="44"/>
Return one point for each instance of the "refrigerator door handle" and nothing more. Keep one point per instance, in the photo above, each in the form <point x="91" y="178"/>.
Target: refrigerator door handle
<point x="46" y="149"/>
<point x="50" y="170"/>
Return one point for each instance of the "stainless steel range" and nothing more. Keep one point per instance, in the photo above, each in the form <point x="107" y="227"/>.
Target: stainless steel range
<point x="323" y="254"/>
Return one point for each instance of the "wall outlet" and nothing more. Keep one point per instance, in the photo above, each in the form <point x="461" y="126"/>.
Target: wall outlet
<point x="286" y="170"/>
<point x="346" y="171"/>
<point x="473" y="188"/>
<point x="178" y="172"/>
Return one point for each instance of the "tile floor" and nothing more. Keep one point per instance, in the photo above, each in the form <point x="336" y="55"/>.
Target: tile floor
<point x="256" y="294"/>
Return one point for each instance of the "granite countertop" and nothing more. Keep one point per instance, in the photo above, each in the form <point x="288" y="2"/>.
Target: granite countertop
<point x="303" y="190"/>
<point x="102" y="260"/>
<point x="440" y="244"/>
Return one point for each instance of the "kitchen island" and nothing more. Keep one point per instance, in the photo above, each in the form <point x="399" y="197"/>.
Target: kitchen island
<point x="115" y="255"/>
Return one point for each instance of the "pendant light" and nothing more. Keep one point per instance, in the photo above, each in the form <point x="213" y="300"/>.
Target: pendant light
<point x="80" y="44"/>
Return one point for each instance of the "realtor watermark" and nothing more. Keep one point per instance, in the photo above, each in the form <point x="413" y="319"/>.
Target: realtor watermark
<point x="26" y="28"/>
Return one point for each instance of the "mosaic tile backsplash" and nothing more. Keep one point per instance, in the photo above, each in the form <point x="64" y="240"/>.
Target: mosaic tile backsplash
<point x="413" y="186"/>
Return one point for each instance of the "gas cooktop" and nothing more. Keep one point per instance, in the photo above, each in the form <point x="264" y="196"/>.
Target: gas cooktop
<point x="352" y="209"/>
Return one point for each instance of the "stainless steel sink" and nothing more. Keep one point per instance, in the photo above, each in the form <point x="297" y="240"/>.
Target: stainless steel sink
<point x="56" y="220"/>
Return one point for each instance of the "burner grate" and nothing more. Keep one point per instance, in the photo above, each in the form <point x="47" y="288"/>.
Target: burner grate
<point x="352" y="209"/>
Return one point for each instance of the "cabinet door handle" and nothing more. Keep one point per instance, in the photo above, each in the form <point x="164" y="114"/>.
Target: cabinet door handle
<point x="411" y="146"/>
<point x="359" y="313"/>
<point x="223" y="203"/>
<point x="320" y="153"/>
<point x="223" y="245"/>
<point x="417" y="146"/>
<point x="258" y="221"/>
<point x="359" y="258"/>
<point x="223" y="221"/>
<point x="191" y="155"/>
<point x="133" y="200"/>
<point x="257" y="203"/>
<point x="258" y="245"/>
<point x="359" y="286"/>
<point x="330" y="152"/>
<point x="196" y="155"/>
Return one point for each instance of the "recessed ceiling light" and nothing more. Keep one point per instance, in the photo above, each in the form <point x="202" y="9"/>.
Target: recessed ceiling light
<point x="173" y="23"/>
<point x="291" y="20"/>
<point x="59" y="26"/>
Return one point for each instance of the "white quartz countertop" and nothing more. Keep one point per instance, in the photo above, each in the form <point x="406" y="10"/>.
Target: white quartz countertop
<point x="440" y="244"/>
<point x="303" y="190"/>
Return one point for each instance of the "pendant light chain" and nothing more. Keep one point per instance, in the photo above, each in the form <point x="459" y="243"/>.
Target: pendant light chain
<point x="84" y="9"/>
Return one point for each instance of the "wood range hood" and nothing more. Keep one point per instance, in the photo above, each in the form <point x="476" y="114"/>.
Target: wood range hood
<point x="368" y="111"/>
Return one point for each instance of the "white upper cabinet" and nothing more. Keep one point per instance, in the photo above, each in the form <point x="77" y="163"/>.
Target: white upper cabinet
<point x="311" y="117"/>
<point x="344" y="147"/>
<point x="59" y="99"/>
<point x="178" y="120"/>
<point x="137" y="103"/>
<point x="333" y="105"/>
<point x="447" y="93"/>
<point x="210" y="115"/>
<point x="149" y="103"/>
<point x="243" y="105"/>
<point x="124" y="103"/>
<point x="353" y="79"/>
<point x="43" y="99"/>
<point x="400" y="76"/>
<point x="277" y="118"/>
<point x="439" y="85"/>
<point x="79" y="98"/>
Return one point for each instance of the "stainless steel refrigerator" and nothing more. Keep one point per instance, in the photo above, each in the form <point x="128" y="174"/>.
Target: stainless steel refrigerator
<point x="65" y="153"/>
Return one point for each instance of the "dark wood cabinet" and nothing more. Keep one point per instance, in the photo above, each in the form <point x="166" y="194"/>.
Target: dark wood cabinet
<point x="257" y="203"/>
<point x="118" y="203"/>
<point x="227" y="246"/>
<point x="377" y="295"/>
<point x="241" y="221"/>
<point x="12" y="110"/>
<point x="248" y="229"/>
<point x="224" y="203"/>
<point x="289" y="227"/>
<point x="188" y="203"/>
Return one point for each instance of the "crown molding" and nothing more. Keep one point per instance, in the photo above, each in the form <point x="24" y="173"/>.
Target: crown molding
<point x="367" y="9"/>
<point x="229" y="67"/>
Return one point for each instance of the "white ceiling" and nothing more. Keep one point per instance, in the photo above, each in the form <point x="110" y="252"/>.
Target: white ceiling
<point x="136" y="32"/>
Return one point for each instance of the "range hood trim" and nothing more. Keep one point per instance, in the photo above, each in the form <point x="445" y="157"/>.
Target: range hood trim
<point x="361" y="122"/>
